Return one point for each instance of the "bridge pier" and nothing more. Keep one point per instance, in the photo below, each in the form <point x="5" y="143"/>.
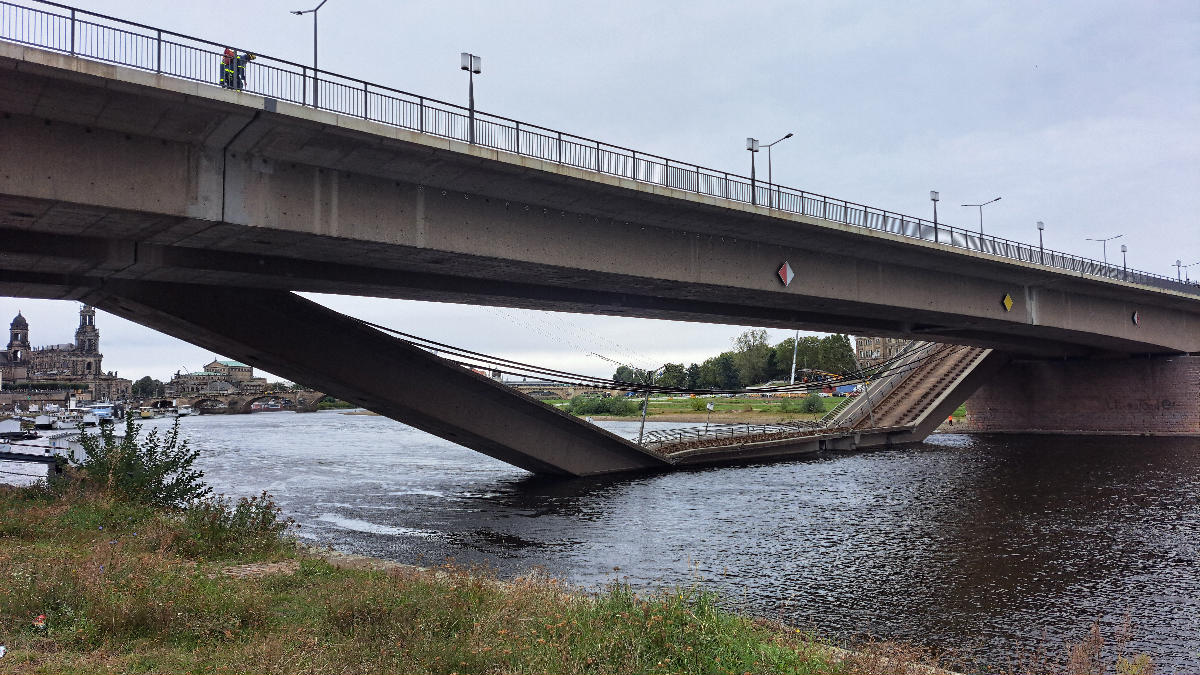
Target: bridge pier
<point x="1156" y="396"/>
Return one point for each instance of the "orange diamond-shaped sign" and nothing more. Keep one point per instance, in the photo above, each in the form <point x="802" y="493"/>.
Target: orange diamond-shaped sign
<point x="1007" y="302"/>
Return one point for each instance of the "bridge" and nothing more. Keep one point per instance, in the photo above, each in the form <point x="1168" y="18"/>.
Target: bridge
<point x="130" y="180"/>
<point x="297" y="400"/>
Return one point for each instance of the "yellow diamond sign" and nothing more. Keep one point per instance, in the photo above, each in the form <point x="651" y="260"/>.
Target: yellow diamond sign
<point x="1007" y="302"/>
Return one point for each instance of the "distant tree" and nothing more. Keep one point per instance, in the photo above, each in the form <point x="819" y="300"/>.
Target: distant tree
<point x="672" y="375"/>
<point x="627" y="374"/>
<point x="836" y="354"/>
<point x="693" y="376"/>
<point x="719" y="372"/>
<point x="148" y="387"/>
<point x="751" y="352"/>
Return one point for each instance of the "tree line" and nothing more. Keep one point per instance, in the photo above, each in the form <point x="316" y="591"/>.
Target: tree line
<point x="753" y="360"/>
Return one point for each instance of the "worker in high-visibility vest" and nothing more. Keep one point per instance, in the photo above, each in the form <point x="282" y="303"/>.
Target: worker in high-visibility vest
<point x="241" y="68"/>
<point x="228" y="77"/>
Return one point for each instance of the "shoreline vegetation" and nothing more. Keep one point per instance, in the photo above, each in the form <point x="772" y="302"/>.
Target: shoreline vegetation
<point x="126" y="562"/>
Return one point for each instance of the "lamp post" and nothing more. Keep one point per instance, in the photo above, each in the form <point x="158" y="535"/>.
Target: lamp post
<point x="795" y="344"/>
<point x="981" y="211"/>
<point x="473" y="65"/>
<point x="316" y="77"/>
<point x="933" y="197"/>
<point x="1041" y="248"/>
<point x="1104" y="244"/>
<point x="646" y="403"/>
<point x="752" y="146"/>
<point x="770" y="178"/>
<point x="1124" y="265"/>
<point x="1179" y="270"/>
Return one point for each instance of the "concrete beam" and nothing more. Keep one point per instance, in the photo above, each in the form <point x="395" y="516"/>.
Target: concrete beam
<point x="305" y="342"/>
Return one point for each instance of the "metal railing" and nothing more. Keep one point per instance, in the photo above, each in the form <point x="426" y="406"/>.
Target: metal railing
<point x="875" y="392"/>
<point x="103" y="38"/>
<point x="654" y="439"/>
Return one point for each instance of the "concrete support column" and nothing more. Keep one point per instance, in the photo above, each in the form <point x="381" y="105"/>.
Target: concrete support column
<point x="1148" y="396"/>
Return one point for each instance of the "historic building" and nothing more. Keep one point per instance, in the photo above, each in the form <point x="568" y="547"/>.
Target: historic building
<point x="218" y="377"/>
<point x="74" y="365"/>
<point x="871" y="351"/>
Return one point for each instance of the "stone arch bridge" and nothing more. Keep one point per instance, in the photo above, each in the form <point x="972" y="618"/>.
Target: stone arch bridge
<point x="300" y="400"/>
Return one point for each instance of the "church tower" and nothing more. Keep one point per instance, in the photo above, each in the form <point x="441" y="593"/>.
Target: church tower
<point x="87" y="341"/>
<point x="18" y="341"/>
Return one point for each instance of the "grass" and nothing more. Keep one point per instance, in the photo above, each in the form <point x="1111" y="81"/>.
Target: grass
<point x="128" y="588"/>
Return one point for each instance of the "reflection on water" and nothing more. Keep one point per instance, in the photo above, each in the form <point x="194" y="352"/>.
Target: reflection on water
<point x="978" y="543"/>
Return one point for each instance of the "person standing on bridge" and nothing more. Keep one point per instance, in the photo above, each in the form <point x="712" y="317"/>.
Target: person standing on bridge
<point x="241" y="69"/>
<point x="227" y="72"/>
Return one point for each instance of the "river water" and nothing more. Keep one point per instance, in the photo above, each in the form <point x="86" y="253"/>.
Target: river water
<point x="987" y="545"/>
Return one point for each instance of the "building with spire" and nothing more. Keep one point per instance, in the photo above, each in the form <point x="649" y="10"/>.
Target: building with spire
<point x="74" y="366"/>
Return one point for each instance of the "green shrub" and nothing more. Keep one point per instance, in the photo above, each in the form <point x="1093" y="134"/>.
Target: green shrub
<point x="812" y="404"/>
<point x="617" y="407"/>
<point x="155" y="470"/>
<point x="698" y="404"/>
<point x="218" y="526"/>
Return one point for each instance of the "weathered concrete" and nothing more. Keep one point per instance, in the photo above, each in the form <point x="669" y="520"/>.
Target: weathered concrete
<point x="108" y="173"/>
<point x="291" y="337"/>
<point x="1151" y="396"/>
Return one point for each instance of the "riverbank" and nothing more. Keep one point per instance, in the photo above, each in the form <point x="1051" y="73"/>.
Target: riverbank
<point x="97" y="584"/>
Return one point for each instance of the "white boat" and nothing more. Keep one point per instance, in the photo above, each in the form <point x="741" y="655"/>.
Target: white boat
<point x="184" y="411"/>
<point x="103" y="412"/>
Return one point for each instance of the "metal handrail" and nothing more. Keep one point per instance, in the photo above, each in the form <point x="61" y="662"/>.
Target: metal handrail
<point x="113" y="40"/>
<point x="874" y="392"/>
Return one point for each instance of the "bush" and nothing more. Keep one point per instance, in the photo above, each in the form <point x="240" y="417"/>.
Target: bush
<point x="617" y="407"/>
<point x="699" y="404"/>
<point x="217" y="526"/>
<point x="156" y="471"/>
<point x="812" y="404"/>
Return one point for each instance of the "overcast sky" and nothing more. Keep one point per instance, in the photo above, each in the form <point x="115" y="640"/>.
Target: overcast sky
<point x="1085" y="115"/>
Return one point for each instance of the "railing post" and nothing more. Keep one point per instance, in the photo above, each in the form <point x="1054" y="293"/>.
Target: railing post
<point x="72" y="32"/>
<point x="365" y="100"/>
<point x="634" y="169"/>
<point x="421" y="113"/>
<point x="158" y="59"/>
<point x="303" y="85"/>
<point x="598" y="158"/>
<point x="560" y="157"/>
<point x="666" y="173"/>
<point x="518" y="137"/>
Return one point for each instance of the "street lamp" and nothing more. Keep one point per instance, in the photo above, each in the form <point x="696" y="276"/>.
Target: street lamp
<point x="473" y="65"/>
<point x="1124" y="266"/>
<point x="316" y="77"/>
<point x="770" y="179"/>
<point x="1179" y="270"/>
<point x="981" y="211"/>
<point x="933" y="197"/>
<point x="1104" y="244"/>
<point x="752" y="146"/>
<point x="1041" y="248"/>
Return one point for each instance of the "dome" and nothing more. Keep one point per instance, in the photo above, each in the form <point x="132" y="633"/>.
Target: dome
<point x="19" y="322"/>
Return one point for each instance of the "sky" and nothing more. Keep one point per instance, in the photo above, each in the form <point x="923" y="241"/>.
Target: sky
<point x="1084" y="115"/>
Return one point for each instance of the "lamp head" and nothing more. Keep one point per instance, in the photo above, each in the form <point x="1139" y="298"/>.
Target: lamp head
<point x="752" y="144"/>
<point x="1124" y="248"/>
<point x="789" y="135"/>
<point x="297" y="12"/>
<point x="1041" y="225"/>
<point x="933" y="195"/>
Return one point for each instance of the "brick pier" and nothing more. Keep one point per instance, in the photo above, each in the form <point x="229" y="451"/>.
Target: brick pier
<point x="1152" y="396"/>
